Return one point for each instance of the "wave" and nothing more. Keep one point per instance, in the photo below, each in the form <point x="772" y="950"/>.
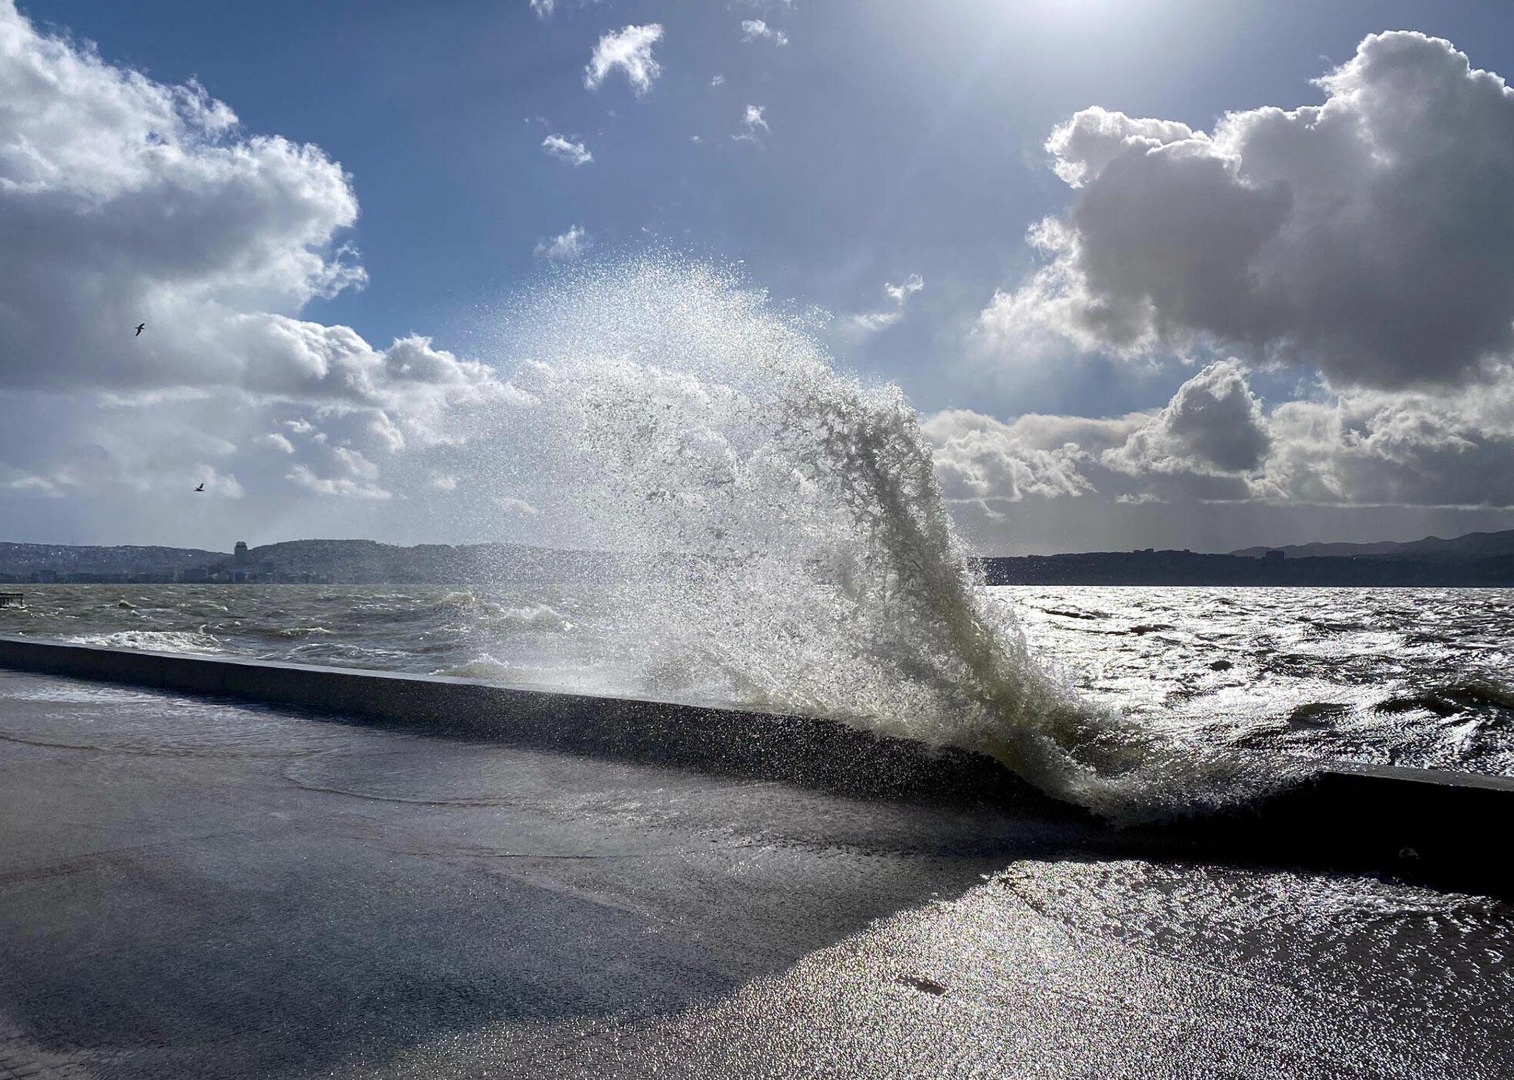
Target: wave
<point x="798" y="553"/>
<point x="536" y="617"/>
<point x="155" y="641"/>
<point x="1469" y="696"/>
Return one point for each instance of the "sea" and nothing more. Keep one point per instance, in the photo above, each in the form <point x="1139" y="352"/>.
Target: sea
<point x="1280" y="679"/>
<point x="793" y="552"/>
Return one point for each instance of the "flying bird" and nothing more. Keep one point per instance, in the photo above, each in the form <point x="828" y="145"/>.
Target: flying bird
<point x="140" y="327"/>
<point x="201" y="487"/>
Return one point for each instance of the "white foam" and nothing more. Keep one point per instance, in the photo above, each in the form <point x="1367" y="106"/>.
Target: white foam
<point x="797" y="554"/>
<point x="154" y="641"/>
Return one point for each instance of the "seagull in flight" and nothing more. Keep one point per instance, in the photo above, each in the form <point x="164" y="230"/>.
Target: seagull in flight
<point x="201" y="487"/>
<point x="140" y="327"/>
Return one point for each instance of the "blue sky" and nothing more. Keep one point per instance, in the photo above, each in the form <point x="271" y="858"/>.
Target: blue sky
<point x="899" y="142"/>
<point x="907" y="136"/>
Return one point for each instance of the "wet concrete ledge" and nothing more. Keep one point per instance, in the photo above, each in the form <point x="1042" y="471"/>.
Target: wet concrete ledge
<point x="1448" y="829"/>
<point x="806" y="750"/>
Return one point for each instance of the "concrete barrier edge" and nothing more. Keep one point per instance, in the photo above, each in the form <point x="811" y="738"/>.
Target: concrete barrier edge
<point x="1440" y="827"/>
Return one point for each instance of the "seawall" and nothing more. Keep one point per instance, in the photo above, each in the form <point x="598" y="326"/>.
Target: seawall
<point x="807" y="750"/>
<point x="1442" y="828"/>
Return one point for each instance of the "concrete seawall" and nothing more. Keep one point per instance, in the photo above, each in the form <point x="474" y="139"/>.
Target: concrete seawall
<point x="1441" y="828"/>
<point x="807" y="750"/>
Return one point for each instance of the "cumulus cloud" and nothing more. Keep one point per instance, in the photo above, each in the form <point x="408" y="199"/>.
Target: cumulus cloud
<point x="348" y="487"/>
<point x="126" y="201"/>
<point x="752" y="122"/>
<point x="1410" y="449"/>
<point x="898" y="296"/>
<point x="629" y="50"/>
<point x="982" y="460"/>
<point x="564" y="246"/>
<point x="757" y="30"/>
<point x="718" y="80"/>
<point x="1367" y="237"/>
<point x="1213" y="424"/>
<point x="565" y="149"/>
<point x="1216" y="440"/>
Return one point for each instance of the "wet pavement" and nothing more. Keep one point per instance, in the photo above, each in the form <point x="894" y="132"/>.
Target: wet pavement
<point x="203" y="889"/>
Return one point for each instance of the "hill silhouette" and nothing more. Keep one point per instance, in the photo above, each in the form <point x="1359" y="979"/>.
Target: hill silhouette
<point x="1477" y="545"/>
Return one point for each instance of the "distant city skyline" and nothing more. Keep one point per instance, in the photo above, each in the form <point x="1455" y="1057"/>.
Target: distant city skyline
<point x="1170" y="275"/>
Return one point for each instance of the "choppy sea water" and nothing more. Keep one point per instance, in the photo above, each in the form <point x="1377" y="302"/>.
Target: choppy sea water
<point x="1399" y="676"/>
<point x="666" y="408"/>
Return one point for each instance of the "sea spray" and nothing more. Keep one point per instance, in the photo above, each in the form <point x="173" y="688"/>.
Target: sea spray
<point x="791" y="548"/>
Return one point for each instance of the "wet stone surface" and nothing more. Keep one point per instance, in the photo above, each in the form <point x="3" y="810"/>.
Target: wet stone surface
<point x="197" y="889"/>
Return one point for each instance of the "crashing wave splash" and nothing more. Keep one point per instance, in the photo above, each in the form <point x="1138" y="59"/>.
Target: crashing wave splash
<point x="814" y="567"/>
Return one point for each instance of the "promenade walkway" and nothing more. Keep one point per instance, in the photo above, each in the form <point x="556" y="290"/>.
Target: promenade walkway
<point x="194" y="888"/>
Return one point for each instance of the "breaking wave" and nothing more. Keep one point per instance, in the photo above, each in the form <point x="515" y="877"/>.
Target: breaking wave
<point x="184" y="641"/>
<point x="793" y="549"/>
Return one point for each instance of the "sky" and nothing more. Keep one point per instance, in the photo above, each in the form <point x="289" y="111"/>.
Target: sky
<point x="1179" y="273"/>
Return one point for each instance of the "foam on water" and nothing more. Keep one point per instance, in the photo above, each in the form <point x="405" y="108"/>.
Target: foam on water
<point x="792" y="548"/>
<point x="197" y="642"/>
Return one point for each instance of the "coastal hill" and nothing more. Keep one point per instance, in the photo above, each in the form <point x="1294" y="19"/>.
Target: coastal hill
<point x="27" y="561"/>
<point x="1478" y="545"/>
<point x="1477" y="559"/>
<point x="442" y="564"/>
<point x="299" y="561"/>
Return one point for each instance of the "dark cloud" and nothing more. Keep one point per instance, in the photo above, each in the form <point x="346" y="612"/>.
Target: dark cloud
<point x="1213" y="424"/>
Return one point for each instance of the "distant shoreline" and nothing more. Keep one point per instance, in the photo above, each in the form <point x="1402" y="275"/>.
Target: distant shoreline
<point x="1477" y="560"/>
<point x="1194" y="568"/>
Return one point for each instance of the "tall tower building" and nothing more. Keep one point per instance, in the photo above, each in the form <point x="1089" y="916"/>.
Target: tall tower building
<point x="239" y="553"/>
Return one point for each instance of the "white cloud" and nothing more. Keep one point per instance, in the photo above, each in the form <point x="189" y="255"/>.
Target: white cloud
<point x="218" y="484"/>
<point x="757" y="30"/>
<point x="126" y="201"/>
<point x="982" y="460"/>
<point x="564" y="149"/>
<point x="752" y="121"/>
<point x="1368" y="236"/>
<point x="516" y="506"/>
<point x="351" y="476"/>
<point x="1407" y="449"/>
<point x="345" y="486"/>
<point x="355" y="463"/>
<point x="718" y="80"/>
<point x="18" y="482"/>
<point x="874" y="321"/>
<point x="630" y="50"/>
<point x="545" y="8"/>
<point x="563" y="247"/>
<point x="1215" y="441"/>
